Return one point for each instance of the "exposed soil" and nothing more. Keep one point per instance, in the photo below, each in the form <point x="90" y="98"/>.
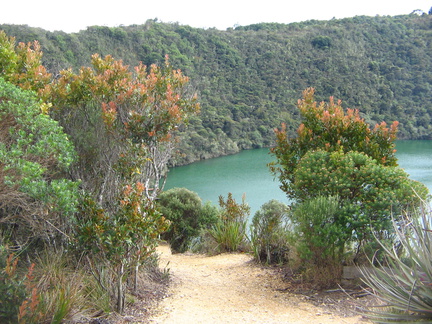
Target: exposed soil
<point x="231" y="288"/>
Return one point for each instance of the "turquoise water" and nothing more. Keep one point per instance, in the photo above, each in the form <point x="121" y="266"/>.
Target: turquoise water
<point x="247" y="173"/>
<point x="416" y="158"/>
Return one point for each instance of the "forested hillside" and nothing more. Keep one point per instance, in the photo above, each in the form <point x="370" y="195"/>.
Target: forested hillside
<point x="249" y="78"/>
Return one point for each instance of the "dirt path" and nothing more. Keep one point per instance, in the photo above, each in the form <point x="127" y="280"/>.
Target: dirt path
<point x="228" y="288"/>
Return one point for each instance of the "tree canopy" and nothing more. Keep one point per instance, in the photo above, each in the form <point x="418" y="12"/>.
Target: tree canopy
<point x="248" y="78"/>
<point x="328" y="127"/>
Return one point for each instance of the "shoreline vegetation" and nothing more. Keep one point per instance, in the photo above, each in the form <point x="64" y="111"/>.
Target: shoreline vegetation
<point x="92" y="120"/>
<point x="248" y="79"/>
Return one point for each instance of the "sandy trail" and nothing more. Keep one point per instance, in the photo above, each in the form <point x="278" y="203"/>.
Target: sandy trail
<point x="229" y="288"/>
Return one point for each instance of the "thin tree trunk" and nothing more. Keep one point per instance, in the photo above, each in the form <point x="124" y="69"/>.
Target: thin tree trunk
<point x="120" y="291"/>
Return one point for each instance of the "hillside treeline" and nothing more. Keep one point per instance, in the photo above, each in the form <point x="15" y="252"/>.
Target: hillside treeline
<point x="249" y="77"/>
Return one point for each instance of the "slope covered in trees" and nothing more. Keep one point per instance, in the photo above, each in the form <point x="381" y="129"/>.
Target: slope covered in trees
<point x="250" y="77"/>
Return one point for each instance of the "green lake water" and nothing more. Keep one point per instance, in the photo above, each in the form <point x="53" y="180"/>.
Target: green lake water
<point x="247" y="173"/>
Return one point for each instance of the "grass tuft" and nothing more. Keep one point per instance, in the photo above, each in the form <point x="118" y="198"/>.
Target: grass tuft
<point x="404" y="286"/>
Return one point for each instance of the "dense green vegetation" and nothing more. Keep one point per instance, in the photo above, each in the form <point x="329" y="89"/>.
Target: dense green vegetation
<point x="248" y="78"/>
<point x="345" y="186"/>
<point x="84" y="151"/>
<point x="82" y="158"/>
<point x="35" y="155"/>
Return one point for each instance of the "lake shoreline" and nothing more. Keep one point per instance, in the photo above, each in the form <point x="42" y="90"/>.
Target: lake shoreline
<point x="247" y="173"/>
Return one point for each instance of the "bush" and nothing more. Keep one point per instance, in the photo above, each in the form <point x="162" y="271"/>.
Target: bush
<point x="369" y="192"/>
<point x="405" y="285"/>
<point x="337" y="154"/>
<point x="38" y="202"/>
<point x="319" y="239"/>
<point x="269" y="233"/>
<point x="184" y="209"/>
<point x="119" y="243"/>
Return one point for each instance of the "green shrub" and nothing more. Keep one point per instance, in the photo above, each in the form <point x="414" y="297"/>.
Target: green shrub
<point x="37" y="201"/>
<point x="337" y="154"/>
<point x="319" y="239"/>
<point x="405" y="285"/>
<point x="269" y="233"/>
<point x="119" y="243"/>
<point x="184" y="209"/>
<point x="369" y="192"/>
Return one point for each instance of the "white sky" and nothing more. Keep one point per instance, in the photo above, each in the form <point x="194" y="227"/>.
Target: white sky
<point x="72" y="16"/>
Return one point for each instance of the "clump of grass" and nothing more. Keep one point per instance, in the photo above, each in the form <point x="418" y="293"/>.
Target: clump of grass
<point x="66" y="290"/>
<point x="229" y="232"/>
<point x="229" y="235"/>
<point x="58" y="286"/>
<point x="404" y="286"/>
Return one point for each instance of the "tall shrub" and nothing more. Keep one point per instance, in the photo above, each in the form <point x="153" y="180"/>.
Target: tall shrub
<point x="269" y="233"/>
<point x="328" y="127"/>
<point x="122" y="123"/>
<point x="337" y="154"/>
